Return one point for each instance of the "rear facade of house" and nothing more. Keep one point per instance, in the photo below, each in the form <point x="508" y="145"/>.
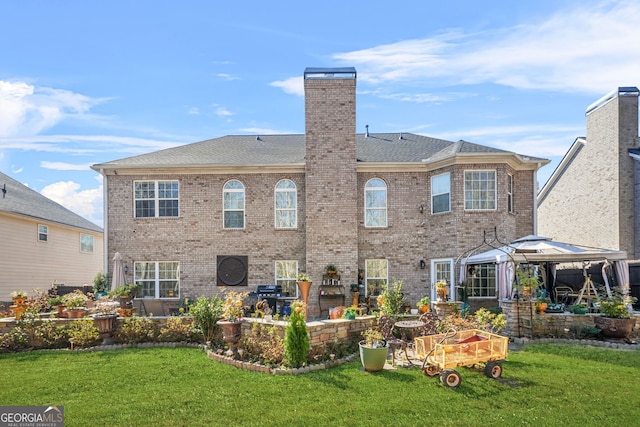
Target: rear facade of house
<point x="238" y="212"/>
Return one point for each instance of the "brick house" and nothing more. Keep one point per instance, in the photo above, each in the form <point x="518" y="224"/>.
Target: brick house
<point x="593" y="196"/>
<point x="43" y="242"/>
<point x="254" y="210"/>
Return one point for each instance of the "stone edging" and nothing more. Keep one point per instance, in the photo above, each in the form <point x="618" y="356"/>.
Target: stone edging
<point x="250" y="366"/>
<point x="589" y="343"/>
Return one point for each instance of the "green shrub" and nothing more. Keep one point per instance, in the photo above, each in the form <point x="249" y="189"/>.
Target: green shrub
<point x="83" y="333"/>
<point x="14" y="340"/>
<point x="296" y="342"/>
<point x="50" y="335"/>
<point x="136" y="330"/>
<point x="206" y="312"/>
<point x="264" y="345"/>
<point x="178" y="329"/>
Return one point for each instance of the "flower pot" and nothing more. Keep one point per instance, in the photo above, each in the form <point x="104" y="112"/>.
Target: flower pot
<point x="126" y="312"/>
<point x="19" y="300"/>
<point x="373" y="359"/>
<point x="106" y="324"/>
<point x="614" y="328"/>
<point x="541" y="307"/>
<point x="61" y="309"/>
<point x="424" y="308"/>
<point x="355" y="299"/>
<point x="76" y="313"/>
<point x="231" y="333"/>
<point x="304" y="293"/>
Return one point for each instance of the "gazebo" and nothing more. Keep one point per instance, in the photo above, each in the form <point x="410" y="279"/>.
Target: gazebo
<point x="546" y="253"/>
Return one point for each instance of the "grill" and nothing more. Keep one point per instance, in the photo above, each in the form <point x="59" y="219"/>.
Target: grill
<point x="278" y="301"/>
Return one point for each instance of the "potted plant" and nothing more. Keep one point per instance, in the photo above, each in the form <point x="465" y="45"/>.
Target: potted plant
<point x="304" y="285"/>
<point x="355" y="294"/>
<point x="441" y="290"/>
<point x="527" y="284"/>
<point x="126" y="293"/>
<point x="76" y="304"/>
<point x="99" y="285"/>
<point x="331" y="269"/>
<point x="577" y="309"/>
<point x="58" y="303"/>
<point x="615" y="320"/>
<point x="232" y="313"/>
<point x="373" y="350"/>
<point x="351" y="313"/>
<point x="105" y="317"/>
<point x="541" y="304"/>
<point x="19" y="297"/>
<point x="424" y="305"/>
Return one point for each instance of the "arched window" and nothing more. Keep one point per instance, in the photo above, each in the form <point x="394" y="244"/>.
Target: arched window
<point x="233" y="204"/>
<point x="375" y="203"/>
<point x="286" y="204"/>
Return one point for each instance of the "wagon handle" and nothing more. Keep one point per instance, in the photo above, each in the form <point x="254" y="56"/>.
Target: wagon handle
<point x="451" y="332"/>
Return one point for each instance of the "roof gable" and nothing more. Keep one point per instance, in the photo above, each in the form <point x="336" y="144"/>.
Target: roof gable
<point x="18" y="199"/>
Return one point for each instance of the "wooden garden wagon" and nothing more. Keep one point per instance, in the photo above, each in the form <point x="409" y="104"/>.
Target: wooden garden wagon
<point x="442" y="353"/>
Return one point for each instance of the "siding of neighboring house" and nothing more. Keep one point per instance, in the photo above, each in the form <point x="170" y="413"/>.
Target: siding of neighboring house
<point x="28" y="264"/>
<point x="590" y="199"/>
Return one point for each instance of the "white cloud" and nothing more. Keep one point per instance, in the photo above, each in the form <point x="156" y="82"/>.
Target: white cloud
<point x="61" y="166"/>
<point x="28" y="110"/>
<point x="86" y="203"/>
<point x="226" y="76"/>
<point x="584" y="49"/>
<point x="293" y="85"/>
<point x="223" y="112"/>
<point x="193" y="111"/>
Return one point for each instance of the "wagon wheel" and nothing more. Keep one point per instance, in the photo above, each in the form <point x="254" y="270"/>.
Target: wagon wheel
<point x="451" y="378"/>
<point x="430" y="370"/>
<point x="493" y="369"/>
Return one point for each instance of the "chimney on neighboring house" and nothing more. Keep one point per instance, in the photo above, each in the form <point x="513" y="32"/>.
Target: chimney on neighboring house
<point x="612" y="139"/>
<point x="330" y="172"/>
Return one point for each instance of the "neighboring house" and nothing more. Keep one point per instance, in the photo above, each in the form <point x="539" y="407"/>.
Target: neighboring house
<point x="255" y="210"/>
<point x="593" y="196"/>
<point x="43" y="242"/>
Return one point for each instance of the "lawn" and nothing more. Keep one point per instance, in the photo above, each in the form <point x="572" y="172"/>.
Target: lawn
<point x="542" y="385"/>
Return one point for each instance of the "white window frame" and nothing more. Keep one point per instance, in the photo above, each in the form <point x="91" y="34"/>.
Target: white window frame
<point x="156" y="198"/>
<point x="226" y="209"/>
<point x="477" y="279"/>
<point x="286" y="217"/>
<point x="43" y="233"/>
<point x="86" y="247"/>
<point x="286" y="272"/>
<point x="438" y="274"/>
<point x="434" y="194"/>
<point x="370" y="275"/>
<point x="379" y="212"/>
<point x="480" y="186"/>
<point x="159" y="277"/>
<point x="510" y="207"/>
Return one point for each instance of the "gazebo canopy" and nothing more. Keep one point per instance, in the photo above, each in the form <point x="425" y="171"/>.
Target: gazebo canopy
<point x="538" y="249"/>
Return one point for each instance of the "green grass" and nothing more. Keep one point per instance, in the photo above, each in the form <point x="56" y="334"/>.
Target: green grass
<point x="542" y="385"/>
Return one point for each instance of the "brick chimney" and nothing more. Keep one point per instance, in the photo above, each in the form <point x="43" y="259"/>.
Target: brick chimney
<point x="330" y="169"/>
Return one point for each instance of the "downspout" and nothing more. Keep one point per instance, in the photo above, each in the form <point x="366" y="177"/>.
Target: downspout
<point x="535" y="200"/>
<point x="105" y="223"/>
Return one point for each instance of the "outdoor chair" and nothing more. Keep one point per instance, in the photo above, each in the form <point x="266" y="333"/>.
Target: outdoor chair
<point x="429" y="319"/>
<point x="386" y="325"/>
<point x="565" y="294"/>
<point x="153" y="306"/>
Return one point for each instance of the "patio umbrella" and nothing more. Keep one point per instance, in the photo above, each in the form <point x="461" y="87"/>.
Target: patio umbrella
<point x="119" y="279"/>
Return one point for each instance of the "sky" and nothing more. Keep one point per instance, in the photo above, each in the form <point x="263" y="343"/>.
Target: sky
<point x="83" y="82"/>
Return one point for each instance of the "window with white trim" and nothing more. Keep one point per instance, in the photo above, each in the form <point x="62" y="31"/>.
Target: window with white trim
<point x="375" y="203"/>
<point x="441" y="193"/>
<point x="510" y="207"/>
<point x="233" y="204"/>
<point x="286" y="274"/>
<point x="376" y="275"/>
<point x="156" y="199"/>
<point x="157" y="279"/>
<point x="43" y="233"/>
<point x="86" y="243"/>
<point x="480" y="190"/>
<point x="286" y="204"/>
<point x="482" y="281"/>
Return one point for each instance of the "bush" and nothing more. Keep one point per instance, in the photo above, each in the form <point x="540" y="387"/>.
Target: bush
<point x="49" y="335"/>
<point x="263" y="345"/>
<point x="83" y="333"/>
<point x="14" y="340"/>
<point x="136" y="330"/>
<point x="206" y="312"/>
<point x="296" y="342"/>
<point x="178" y="329"/>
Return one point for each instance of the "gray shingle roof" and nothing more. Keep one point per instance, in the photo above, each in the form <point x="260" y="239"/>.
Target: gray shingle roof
<point x="290" y="149"/>
<point x="22" y="200"/>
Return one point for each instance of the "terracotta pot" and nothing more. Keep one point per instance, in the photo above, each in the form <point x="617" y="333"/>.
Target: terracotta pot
<point x="541" y="307"/>
<point x="614" y="328"/>
<point x="76" y="313"/>
<point x="19" y="300"/>
<point x="424" y="308"/>
<point x="126" y="312"/>
<point x="106" y="324"/>
<point x="304" y="293"/>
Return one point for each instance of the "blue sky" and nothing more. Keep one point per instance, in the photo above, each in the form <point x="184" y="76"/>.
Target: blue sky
<point x="88" y="82"/>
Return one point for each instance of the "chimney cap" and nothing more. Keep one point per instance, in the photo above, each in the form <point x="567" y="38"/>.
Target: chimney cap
<point x="330" y="73"/>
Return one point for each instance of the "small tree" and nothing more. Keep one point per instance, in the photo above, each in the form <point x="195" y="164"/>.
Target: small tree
<point x="296" y="341"/>
<point x="206" y="312"/>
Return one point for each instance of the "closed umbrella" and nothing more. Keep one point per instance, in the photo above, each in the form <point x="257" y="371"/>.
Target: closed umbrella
<point x="119" y="279"/>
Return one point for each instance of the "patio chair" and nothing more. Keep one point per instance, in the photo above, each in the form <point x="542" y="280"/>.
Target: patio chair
<point x="153" y="306"/>
<point x="429" y="319"/>
<point x="386" y="325"/>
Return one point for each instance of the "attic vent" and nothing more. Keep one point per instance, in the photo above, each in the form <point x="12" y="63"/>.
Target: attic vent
<point x="4" y="190"/>
<point x="366" y="135"/>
